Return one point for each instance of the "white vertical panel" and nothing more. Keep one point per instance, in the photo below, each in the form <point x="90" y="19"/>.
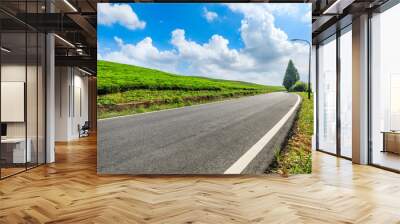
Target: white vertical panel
<point x="50" y="99"/>
<point x="346" y="94"/>
<point x="395" y="102"/>
<point x="12" y="101"/>
<point x="327" y="97"/>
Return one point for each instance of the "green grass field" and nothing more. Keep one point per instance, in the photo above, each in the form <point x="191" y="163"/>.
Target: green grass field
<point x="127" y="89"/>
<point x="295" y="157"/>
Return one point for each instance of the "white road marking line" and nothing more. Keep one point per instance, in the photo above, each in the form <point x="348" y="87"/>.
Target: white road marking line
<point x="245" y="159"/>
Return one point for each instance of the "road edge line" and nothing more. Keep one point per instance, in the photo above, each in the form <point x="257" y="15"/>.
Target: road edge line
<point x="246" y="158"/>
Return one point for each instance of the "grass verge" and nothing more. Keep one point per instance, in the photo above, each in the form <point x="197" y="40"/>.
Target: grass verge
<point x="295" y="157"/>
<point x="164" y="102"/>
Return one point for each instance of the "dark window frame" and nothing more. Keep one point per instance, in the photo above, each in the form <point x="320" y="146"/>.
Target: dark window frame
<point x="333" y="36"/>
<point x="29" y="30"/>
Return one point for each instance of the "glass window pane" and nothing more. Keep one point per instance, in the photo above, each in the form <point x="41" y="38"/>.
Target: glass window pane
<point x="346" y="94"/>
<point x="41" y="98"/>
<point x="31" y="98"/>
<point x="385" y="84"/>
<point x="327" y="96"/>
<point x="23" y="90"/>
<point x="14" y="152"/>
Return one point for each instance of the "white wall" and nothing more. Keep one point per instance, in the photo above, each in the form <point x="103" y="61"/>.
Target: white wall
<point x="62" y="82"/>
<point x="70" y="83"/>
<point x="79" y="111"/>
<point x="13" y="101"/>
<point x="14" y="72"/>
<point x="33" y="126"/>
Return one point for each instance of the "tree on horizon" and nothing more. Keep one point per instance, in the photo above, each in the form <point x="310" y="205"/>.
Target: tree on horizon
<point x="291" y="75"/>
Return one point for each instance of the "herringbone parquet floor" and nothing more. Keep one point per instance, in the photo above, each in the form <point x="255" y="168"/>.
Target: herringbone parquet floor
<point x="69" y="191"/>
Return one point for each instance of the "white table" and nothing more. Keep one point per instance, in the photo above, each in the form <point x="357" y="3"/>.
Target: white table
<point x="19" y="153"/>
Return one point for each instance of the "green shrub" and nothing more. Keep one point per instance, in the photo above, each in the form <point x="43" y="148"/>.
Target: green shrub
<point x="299" y="86"/>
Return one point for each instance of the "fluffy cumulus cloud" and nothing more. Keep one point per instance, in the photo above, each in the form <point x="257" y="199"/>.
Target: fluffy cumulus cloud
<point x="143" y="53"/>
<point x="213" y="58"/>
<point x="209" y="15"/>
<point x="262" y="59"/>
<point x="268" y="45"/>
<point x="121" y="14"/>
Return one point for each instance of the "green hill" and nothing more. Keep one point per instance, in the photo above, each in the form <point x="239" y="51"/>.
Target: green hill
<point x="114" y="77"/>
<point x="125" y="89"/>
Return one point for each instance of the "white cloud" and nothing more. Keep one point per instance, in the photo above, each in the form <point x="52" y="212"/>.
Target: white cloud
<point x="266" y="43"/>
<point x="209" y="15"/>
<point x="213" y="58"/>
<point x="283" y="9"/>
<point x="262" y="59"/>
<point x="292" y="10"/>
<point x="123" y="14"/>
<point x="144" y="53"/>
<point x="306" y="17"/>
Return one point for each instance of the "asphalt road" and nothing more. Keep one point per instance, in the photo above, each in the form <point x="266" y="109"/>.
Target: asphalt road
<point x="201" y="139"/>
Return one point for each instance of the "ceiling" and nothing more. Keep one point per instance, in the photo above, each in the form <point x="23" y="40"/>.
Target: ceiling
<point x="75" y="22"/>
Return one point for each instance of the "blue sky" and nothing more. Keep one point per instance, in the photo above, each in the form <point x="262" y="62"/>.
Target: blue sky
<point x="248" y="42"/>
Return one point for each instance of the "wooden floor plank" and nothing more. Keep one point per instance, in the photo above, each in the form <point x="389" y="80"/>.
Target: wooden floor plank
<point x="70" y="191"/>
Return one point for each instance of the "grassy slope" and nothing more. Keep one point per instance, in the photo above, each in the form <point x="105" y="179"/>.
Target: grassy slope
<point x="114" y="77"/>
<point x="295" y="158"/>
<point x="148" y="89"/>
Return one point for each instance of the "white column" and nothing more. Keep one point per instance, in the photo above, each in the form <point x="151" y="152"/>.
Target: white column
<point x="50" y="99"/>
<point x="314" y="89"/>
<point x="360" y="90"/>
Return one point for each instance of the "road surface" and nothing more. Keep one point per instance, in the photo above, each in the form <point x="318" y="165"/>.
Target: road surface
<point x="200" y="139"/>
